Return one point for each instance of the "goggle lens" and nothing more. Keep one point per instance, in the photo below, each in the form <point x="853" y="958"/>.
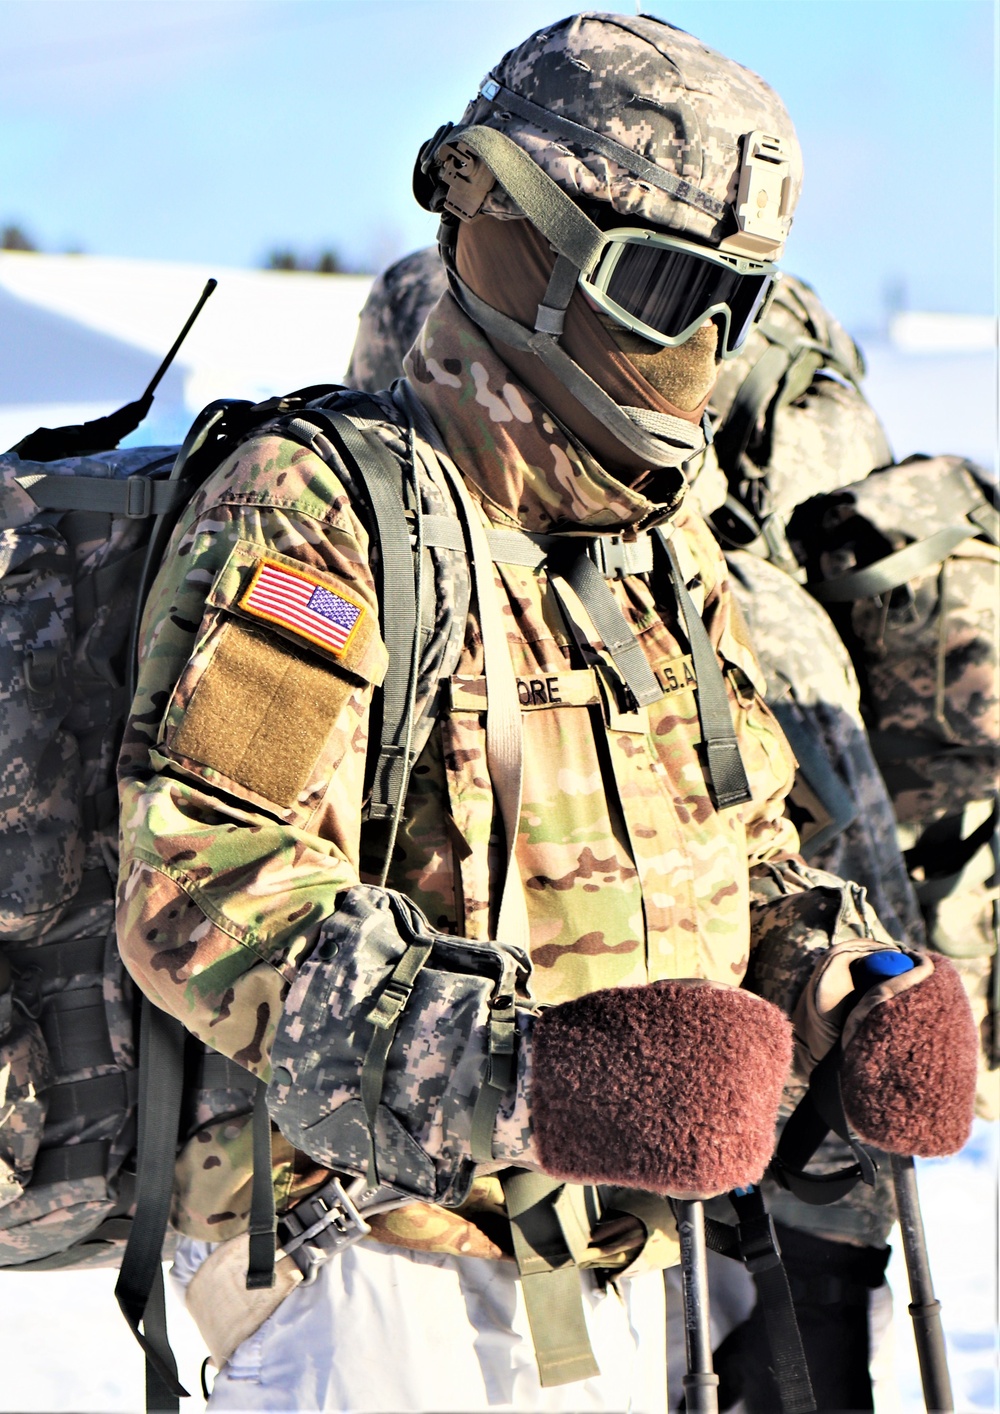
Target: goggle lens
<point x="669" y="290"/>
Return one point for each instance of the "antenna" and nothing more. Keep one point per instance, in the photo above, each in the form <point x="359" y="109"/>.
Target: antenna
<point x="154" y="382"/>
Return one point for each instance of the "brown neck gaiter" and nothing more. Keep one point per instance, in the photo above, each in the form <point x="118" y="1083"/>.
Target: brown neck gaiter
<point x="507" y="264"/>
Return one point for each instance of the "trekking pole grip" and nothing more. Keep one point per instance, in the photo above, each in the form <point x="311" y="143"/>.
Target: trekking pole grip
<point x="925" y="1309"/>
<point x="701" y="1383"/>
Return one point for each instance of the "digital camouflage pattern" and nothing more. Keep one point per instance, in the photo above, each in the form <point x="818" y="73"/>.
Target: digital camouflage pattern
<point x="437" y="1063"/>
<point x="929" y="653"/>
<point x="803" y="426"/>
<point x="66" y="1020"/>
<point x="810" y="676"/>
<point x="396" y="306"/>
<point x="656" y="90"/>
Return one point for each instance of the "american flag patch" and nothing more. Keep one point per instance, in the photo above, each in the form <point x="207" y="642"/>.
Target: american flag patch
<point x="302" y="605"/>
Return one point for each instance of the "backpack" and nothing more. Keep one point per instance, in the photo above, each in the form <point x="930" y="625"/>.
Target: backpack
<point x="83" y="1180"/>
<point x="790" y="399"/>
<point x="907" y="562"/>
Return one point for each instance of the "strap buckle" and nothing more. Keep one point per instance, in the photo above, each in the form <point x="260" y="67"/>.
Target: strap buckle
<point x="616" y="557"/>
<point x="758" y="1243"/>
<point x="320" y="1226"/>
<point x="138" y="497"/>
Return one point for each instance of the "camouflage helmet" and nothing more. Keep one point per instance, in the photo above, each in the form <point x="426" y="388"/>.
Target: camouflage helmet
<point x="632" y="112"/>
<point x="601" y="117"/>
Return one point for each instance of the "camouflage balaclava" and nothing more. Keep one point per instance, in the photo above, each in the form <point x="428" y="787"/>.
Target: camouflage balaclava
<point x="607" y="120"/>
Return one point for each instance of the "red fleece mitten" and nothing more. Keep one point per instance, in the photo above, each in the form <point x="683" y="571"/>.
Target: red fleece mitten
<point x="908" y="1077"/>
<point x="672" y="1087"/>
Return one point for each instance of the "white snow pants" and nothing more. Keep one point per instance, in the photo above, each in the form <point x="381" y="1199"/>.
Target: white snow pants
<point x="383" y="1329"/>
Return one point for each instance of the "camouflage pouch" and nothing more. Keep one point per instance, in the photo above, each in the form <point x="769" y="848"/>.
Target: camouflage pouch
<point x="907" y="561"/>
<point x="397" y="1048"/>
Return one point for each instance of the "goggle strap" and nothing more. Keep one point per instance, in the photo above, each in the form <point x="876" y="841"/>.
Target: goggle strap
<point x="577" y="382"/>
<point x="498" y="96"/>
<point x="542" y="200"/>
<point x="551" y="315"/>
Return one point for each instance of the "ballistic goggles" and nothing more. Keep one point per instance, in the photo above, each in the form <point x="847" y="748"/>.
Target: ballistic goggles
<point x="664" y="288"/>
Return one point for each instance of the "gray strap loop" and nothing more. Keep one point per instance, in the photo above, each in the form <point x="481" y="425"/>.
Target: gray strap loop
<point x="550" y="1279"/>
<point x="137" y="497"/>
<point x="893" y="570"/>
<point x="551" y="315"/>
<point x="380" y="475"/>
<point x="639" y="166"/>
<point x="544" y="203"/>
<point x="726" y="773"/>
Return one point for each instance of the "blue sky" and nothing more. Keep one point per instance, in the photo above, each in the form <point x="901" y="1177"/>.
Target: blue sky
<point x="220" y="129"/>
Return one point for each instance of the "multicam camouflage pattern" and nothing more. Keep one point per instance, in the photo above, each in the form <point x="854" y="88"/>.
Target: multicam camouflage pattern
<point x="656" y="90"/>
<point x="67" y="584"/>
<point x="223" y="896"/>
<point x="396" y="306"/>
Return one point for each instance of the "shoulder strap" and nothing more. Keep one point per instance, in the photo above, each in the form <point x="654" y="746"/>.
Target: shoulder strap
<point x="326" y="432"/>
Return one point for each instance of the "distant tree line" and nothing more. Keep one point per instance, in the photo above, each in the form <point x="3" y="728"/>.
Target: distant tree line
<point x="14" y="237"/>
<point x="327" y="262"/>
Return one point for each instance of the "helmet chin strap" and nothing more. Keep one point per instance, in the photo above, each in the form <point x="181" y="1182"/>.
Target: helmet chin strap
<point x="679" y="440"/>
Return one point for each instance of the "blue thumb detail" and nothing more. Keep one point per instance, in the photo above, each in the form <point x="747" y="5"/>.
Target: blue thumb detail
<point x="876" y="967"/>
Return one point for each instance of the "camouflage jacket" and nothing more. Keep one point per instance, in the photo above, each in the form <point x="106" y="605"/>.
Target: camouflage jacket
<point x="241" y="774"/>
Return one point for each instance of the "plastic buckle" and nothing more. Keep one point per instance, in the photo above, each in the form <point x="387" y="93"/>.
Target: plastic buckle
<point x="319" y="1227"/>
<point x="138" y="497"/>
<point x="616" y="557"/>
<point x="758" y="1244"/>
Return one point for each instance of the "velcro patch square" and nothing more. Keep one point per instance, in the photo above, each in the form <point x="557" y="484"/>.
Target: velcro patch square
<point x="303" y="605"/>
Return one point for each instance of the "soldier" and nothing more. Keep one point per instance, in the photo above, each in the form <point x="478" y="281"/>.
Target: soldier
<point x="599" y="786"/>
<point x="820" y="433"/>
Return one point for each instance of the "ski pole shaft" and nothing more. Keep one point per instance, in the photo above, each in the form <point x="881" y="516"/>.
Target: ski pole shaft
<point x="701" y="1383"/>
<point x="925" y="1309"/>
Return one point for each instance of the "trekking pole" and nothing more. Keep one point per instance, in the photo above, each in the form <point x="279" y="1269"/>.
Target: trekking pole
<point x="701" y="1383"/>
<point x="925" y="1309"/>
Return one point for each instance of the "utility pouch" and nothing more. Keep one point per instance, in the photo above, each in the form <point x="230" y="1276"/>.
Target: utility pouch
<point x="397" y="1047"/>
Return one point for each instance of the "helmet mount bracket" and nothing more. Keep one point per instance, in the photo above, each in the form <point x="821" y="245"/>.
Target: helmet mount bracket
<point x="466" y="178"/>
<point x="762" y="198"/>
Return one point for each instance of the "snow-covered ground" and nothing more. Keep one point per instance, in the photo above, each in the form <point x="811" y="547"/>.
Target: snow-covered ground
<point x="67" y="1349"/>
<point x="90" y="332"/>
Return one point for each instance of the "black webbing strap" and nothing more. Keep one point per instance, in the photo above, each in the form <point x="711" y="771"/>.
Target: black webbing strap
<point x="67" y="959"/>
<point x="587" y="582"/>
<point x="70" y="1162"/>
<point x="816" y="767"/>
<point x="820" y="1110"/>
<point x="724" y="765"/>
<point x="260" y="1266"/>
<point x="755" y="393"/>
<point x="139" y="1290"/>
<point x="379" y="474"/>
<point x="893" y="570"/>
<point x="137" y="497"/>
<point x="87" y="1099"/>
<point x="757" y="1244"/>
<point x="550" y="1279"/>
